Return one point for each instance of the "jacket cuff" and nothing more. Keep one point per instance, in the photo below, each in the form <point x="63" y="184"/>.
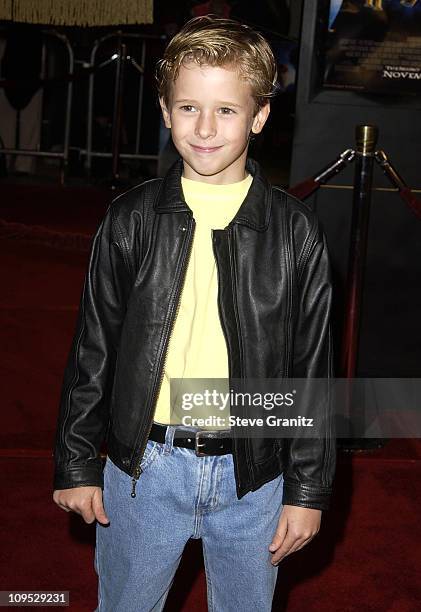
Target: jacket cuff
<point x="298" y="494"/>
<point x="84" y="476"/>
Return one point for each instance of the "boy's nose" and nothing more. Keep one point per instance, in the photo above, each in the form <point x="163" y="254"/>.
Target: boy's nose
<point x="206" y="125"/>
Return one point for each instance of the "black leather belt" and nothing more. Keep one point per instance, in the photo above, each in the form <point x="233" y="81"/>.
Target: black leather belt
<point x="203" y="442"/>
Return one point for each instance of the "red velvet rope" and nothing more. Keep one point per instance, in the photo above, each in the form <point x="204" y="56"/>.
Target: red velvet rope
<point x="409" y="199"/>
<point x="306" y="188"/>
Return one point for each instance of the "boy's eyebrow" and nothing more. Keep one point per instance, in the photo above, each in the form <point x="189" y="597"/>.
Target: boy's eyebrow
<point x="221" y="102"/>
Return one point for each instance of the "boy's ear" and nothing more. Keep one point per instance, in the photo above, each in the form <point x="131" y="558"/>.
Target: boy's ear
<point x="260" y="118"/>
<point x="165" y="113"/>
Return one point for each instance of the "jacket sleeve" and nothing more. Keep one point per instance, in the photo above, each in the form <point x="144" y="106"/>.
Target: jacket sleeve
<point x="88" y="376"/>
<point x="310" y="462"/>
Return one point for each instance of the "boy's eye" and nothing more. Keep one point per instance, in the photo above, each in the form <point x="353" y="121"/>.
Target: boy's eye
<point x="226" y="111"/>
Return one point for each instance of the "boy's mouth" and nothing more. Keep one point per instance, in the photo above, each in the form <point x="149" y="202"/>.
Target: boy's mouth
<point x="205" y="149"/>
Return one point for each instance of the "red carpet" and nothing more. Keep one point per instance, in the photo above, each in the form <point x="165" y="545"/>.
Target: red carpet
<point x="368" y="553"/>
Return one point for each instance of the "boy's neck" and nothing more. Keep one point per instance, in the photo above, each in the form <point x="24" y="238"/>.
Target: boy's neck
<point x="233" y="173"/>
<point x="214" y="183"/>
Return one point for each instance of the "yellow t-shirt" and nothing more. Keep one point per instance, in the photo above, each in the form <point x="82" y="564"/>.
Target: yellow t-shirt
<point x="197" y="347"/>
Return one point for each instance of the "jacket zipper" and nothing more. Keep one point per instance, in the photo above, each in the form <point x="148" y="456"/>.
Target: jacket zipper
<point x="138" y="470"/>
<point x="219" y="305"/>
<point x="237" y="318"/>
<point x="230" y="234"/>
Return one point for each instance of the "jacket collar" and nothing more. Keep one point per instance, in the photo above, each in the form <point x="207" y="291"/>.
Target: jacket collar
<point x="253" y="212"/>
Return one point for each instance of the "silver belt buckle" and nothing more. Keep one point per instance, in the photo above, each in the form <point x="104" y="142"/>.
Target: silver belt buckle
<point x="197" y="444"/>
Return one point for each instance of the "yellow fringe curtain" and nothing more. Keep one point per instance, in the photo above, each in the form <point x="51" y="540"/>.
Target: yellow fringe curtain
<point x="5" y="9"/>
<point x="78" y="12"/>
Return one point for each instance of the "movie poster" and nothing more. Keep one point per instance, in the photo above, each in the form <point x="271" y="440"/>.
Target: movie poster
<point x="374" y="46"/>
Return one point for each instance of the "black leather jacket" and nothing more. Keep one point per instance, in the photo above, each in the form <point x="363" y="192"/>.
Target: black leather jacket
<point x="274" y="303"/>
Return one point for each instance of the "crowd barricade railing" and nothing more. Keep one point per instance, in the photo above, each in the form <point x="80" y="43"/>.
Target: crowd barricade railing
<point x="122" y="59"/>
<point x="62" y="155"/>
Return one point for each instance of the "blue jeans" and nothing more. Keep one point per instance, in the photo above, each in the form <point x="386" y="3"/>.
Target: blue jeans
<point x="181" y="496"/>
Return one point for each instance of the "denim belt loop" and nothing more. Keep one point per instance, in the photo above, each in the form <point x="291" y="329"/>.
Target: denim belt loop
<point x="169" y="438"/>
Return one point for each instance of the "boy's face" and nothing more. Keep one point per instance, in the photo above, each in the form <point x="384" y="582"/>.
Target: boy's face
<point x="211" y="115"/>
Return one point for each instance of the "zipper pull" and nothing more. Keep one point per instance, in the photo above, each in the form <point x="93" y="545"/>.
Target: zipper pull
<point x="135" y="478"/>
<point x="133" y="493"/>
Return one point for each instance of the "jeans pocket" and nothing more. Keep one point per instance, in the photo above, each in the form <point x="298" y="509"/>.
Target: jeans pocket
<point x="150" y="454"/>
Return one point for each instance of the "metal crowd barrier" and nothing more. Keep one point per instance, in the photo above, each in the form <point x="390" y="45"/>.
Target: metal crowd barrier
<point x="122" y="59"/>
<point x="64" y="154"/>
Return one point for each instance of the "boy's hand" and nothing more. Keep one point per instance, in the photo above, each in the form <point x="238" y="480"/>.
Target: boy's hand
<point x="86" y="501"/>
<point x="296" y="527"/>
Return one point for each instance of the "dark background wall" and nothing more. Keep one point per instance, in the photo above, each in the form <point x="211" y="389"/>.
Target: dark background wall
<point x="324" y="126"/>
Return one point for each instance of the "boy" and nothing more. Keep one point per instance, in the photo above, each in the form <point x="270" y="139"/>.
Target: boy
<point x="208" y="273"/>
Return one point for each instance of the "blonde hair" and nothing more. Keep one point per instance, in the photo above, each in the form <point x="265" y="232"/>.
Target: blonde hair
<point x="220" y="42"/>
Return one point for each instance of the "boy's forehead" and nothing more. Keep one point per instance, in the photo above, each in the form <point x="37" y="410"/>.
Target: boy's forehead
<point x="193" y="76"/>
